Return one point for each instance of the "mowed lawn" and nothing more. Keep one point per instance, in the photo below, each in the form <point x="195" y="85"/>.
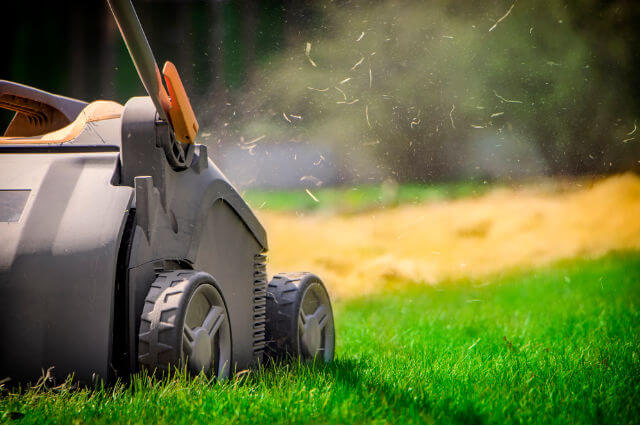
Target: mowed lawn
<point x="556" y="345"/>
<point x="362" y="197"/>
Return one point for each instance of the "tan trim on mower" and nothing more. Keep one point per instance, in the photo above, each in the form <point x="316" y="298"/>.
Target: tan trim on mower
<point x="95" y="111"/>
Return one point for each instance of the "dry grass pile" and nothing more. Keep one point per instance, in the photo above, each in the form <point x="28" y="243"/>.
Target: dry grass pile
<point x="474" y="237"/>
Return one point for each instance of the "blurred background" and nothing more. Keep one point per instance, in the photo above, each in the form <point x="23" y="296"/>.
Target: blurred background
<point x="487" y="152"/>
<point x="319" y="93"/>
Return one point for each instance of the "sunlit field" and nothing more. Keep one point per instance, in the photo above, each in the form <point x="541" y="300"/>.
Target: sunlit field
<point x="539" y="327"/>
<point x="358" y="239"/>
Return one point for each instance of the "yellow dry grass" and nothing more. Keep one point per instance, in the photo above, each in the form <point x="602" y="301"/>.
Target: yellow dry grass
<point x="473" y="237"/>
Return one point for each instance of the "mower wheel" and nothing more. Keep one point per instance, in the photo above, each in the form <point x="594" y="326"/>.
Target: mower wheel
<point x="185" y="324"/>
<point x="299" y="318"/>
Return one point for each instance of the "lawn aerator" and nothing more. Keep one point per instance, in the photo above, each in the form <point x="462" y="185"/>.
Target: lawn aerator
<point x="124" y="247"/>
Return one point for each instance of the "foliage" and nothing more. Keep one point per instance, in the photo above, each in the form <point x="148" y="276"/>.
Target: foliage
<point x="438" y="103"/>
<point x="558" y="345"/>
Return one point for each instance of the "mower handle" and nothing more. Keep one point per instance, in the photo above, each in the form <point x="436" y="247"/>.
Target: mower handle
<point x="141" y="54"/>
<point x="176" y="110"/>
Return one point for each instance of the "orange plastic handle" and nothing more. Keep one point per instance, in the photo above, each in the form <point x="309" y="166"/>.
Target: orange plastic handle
<point x="183" y="120"/>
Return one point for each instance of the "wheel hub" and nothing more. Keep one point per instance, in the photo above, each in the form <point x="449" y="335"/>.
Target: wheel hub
<point x="200" y="359"/>
<point x="206" y="340"/>
<point x="312" y="336"/>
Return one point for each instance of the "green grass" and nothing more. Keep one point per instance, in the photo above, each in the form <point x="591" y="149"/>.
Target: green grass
<point x="557" y="345"/>
<point x="359" y="198"/>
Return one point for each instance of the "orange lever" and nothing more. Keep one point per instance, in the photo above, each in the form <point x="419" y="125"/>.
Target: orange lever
<point x="183" y="120"/>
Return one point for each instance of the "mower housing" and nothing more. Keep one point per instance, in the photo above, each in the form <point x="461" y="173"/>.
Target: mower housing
<point x="90" y="213"/>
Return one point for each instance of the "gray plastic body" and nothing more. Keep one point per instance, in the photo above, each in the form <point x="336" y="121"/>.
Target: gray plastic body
<point x="100" y="216"/>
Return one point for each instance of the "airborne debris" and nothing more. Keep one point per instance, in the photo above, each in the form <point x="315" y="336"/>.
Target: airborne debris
<point x="348" y="103"/>
<point x="357" y="64"/>
<point x="497" y="114"/>
<point x="474" y="343"/>
<point x="286" y="118"/>
<point x="453" y="108"/>
<point x="256" y="140"/>
<point x="635" y="127"/>
<point x="506" y="100"/>
<point x="315" y="180"/>
<point x="307" y="52"/>
<point x="366" y="115"/>
<point x="344" y="95"/>
<point x="250" y="145"/>
<point x="345" y="80"/>
<point x="360" y="38"/>
<point x="248" y="148"/>
<point x="503" y="16"/>
<point x="370" y="78"/>
<point x="318" y="90"/>
<point x="312" y="196"/>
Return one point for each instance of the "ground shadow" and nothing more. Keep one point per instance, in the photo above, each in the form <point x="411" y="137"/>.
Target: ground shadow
<point x="402" y="402"/>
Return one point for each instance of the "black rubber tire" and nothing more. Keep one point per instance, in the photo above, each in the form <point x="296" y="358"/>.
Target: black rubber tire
<point x="284" y="296"/>
<point x="163" y="317"/>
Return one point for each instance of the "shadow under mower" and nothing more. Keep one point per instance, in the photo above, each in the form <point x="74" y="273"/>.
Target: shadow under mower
<point x="124" y="247"/>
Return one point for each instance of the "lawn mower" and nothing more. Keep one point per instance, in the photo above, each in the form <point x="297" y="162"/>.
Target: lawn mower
<point x="123" y="247"/>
